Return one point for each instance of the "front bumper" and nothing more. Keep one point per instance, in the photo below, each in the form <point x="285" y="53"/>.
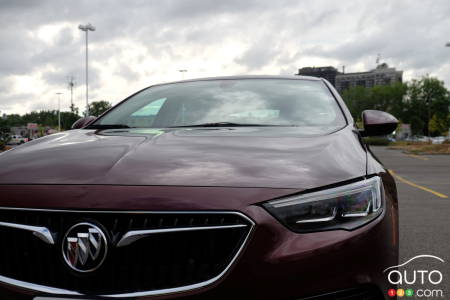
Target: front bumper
<point x="279" y="264"/>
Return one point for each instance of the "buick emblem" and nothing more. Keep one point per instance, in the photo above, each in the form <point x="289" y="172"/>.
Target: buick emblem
<point x="84" y="247"/>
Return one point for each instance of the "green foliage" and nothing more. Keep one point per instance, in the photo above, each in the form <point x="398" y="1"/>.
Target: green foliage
<point x="437" y="125"/>
<point x="376" y="141"/>
<point x="386" y="98"/>
<point x="417" y="125"/>
<point x="13" y="120"/>
<point x="427" y="98"/>
<point x="4" y="134"/>
<point x="353" y="97"/>
<point x="43" y="118"/>
<point x="422" y="103"/>
<point x="96" y="108"/>
<point x="49" y="118"/>
<point x="74" y="109"/>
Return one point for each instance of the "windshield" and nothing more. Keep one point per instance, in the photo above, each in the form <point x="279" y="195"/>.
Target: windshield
<point x="243" y="102"/>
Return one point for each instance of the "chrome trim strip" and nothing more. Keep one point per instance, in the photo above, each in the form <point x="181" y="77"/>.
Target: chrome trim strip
<point x="62" y="292"/>
<point x="326" y="219"/>
<point x="135" y="235"/>
<point x="41" y="232"/>
<point x="140" y="212"/>
<point x="363" y="214"/>
<point x="343" y="190"/>
<point x="37" y="287"/>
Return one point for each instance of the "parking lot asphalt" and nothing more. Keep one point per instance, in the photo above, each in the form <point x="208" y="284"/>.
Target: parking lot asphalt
<point x="423" y="183"/>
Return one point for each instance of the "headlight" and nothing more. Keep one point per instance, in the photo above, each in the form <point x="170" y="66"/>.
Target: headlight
<point x="344" y="207"/>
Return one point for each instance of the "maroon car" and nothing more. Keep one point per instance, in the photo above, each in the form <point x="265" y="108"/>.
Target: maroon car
<point x="252" y="187"/>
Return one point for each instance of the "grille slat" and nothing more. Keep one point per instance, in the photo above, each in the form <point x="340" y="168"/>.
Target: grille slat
<point x="160" y="261"/>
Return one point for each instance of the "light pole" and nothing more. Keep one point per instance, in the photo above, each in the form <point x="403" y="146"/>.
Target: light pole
<point x="182" y="73"/>
<point x="59" y="111"/>
<point x="86" y="29"/>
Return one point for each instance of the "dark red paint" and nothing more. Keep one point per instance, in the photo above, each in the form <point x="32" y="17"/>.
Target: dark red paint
<point x="378" y="123"/>
<point x="83" y="122"/>
<point x="237" y="157"/>
<point x="225" y="169"/>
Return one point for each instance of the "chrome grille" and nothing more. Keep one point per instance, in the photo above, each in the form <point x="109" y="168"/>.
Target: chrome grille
<point x="173" y="251"/>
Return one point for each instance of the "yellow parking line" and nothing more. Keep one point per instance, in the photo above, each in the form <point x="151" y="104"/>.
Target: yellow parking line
<point x="417" y="156"/>
<point x="416" y="185"/>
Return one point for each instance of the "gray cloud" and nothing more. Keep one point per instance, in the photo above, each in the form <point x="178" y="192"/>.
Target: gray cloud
<point x="5" y="85"/>
<point x="60" y="76"/>
<point x="166" y="35"/>
<point x="258" y="55"/>
<point x="126" y="72"/>
<point x="17" y="99"/>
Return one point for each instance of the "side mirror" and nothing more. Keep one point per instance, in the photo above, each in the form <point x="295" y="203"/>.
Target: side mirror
<point x="378" y="123"/>
<point x="83" y="122"/>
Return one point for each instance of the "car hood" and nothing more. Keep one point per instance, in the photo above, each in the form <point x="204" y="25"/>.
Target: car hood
<point x="228" y="157"/>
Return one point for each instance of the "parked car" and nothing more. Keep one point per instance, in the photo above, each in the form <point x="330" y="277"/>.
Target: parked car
<point x="418" y="138"/>
<point x="249" y="187"/>
<point x="17" y="139"/>
<point x="423" y="138"/>
<point x="438" y="139"/>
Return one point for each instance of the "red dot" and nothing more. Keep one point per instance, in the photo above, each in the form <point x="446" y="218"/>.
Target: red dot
<point x="392" y="292"/>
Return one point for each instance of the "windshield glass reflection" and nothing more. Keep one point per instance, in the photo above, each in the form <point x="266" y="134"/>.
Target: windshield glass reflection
<point x="277" y="102"/>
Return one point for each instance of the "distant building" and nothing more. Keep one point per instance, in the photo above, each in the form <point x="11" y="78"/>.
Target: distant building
<point x="19" y="130"/>
<point x="329" y="73"/>
<point x="24" y="131"/>
<point x="381" y="75"/>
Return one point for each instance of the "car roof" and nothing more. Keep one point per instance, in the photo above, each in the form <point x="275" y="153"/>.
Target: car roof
<point x="237" y="77"/>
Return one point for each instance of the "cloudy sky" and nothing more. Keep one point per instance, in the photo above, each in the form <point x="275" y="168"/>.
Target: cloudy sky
<point x="139" y="43"/>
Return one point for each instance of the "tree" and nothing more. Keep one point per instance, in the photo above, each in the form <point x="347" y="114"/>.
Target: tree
<point x="357" y="100"/>
<point x="384" y="97"/>
<point x="437" y="126"/>
<point x="423" y="103"/>
<point x="390" y="98"/>
<point x="67" y="119"/>
<point x="74" y="109"/>
<point x="416" y="109"/>
<point x="428" y="98"/>
<point x="14" y="120"/>
<point x="43" y="118"/>
<point x="4" y="134"/>
<point x="96" y="108"/>
<point x="417" y="125"/>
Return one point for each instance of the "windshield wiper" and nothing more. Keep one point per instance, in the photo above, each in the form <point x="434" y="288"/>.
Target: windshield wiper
<point x="108" y="126"/>
<point x="223" y="124"/>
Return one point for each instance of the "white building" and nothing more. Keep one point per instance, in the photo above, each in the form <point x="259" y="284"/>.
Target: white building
<point x="381" y="75"/>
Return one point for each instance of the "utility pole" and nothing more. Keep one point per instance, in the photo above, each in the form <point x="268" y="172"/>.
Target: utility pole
<point x="182" y="73"/>
<point x="429" y="117"/>
<point x="59" y="111"/>
<point x="71" y="85"/>
<point x="86" y="28"/>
